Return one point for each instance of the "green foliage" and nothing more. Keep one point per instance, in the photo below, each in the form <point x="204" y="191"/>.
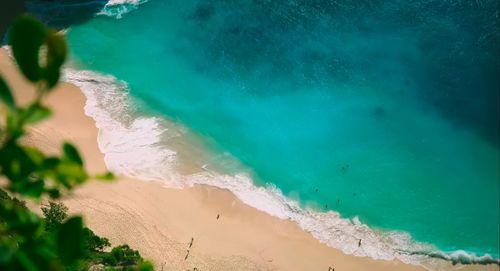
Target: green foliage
<point x="27" y="35"/>
<point x="58" y="242"/>
<point x="5" y="95"/>
<point x="29" y="171"/>
<point x="122" y="256"/>
<point x="23" y="242"/>
<point x="38" y="113"/>
<point x="70" y="240"/>
<point x="105" y="177"/>
<point x="93" y="242"/>
<point x="71" y="153"/>
<point x="54" y="213"/>
<point x="56" y="54"/>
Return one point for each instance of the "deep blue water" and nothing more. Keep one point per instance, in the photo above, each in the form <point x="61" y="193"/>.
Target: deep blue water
<point x="385" y="110"/>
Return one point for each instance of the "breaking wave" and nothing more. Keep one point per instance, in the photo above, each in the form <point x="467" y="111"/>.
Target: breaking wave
<point x="135" y="145"/>
<point x="117" y="8"/>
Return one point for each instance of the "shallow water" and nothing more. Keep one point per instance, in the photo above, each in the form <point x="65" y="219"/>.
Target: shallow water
<point x="384" y="110"/>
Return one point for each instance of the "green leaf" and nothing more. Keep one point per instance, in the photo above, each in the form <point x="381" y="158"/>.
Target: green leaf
<point x="108" y="176"/>
<point x="16" y="164"/>
<point x="38" y="113"/>
<point x="69" y="173"/>
<point x="71" y="153"/>
<point x="8" y="247"/>
<point x="70" y="240"/>
<point x="35" y="154"/>
<point x="56" y="54"/>
<point x="5" y="95"/>
<point x="26" y="36"/>
<point x="34" y="189"/>
<point x="25" y="261"/>
<point x="12" y="124"/>
<point x="54" y="193"/>
<point x="50" y="163"/>
<point x="145" y="266"/>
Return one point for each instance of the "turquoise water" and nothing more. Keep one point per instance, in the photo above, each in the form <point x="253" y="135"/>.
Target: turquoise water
<point x="385" y="110"/>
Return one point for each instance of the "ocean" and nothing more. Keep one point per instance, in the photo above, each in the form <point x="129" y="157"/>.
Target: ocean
<point x="359" y="120"/>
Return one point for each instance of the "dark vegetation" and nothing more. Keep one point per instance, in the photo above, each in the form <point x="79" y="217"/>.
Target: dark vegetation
<point x="57" y="241"/>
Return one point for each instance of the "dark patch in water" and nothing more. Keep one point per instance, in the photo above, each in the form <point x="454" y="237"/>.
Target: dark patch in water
<point x="379" y="112"/>
<point x="448" y="49"/>
<point x="203" y="12"/>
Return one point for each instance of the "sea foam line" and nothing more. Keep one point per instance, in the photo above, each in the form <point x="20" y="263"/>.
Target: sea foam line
<point x="132" y="146"/>
<point x="117" y="8"/>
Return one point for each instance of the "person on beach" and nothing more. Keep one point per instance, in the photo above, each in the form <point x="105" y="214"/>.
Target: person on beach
<point x="192" y="240"/>
<point x="218" y="216"/>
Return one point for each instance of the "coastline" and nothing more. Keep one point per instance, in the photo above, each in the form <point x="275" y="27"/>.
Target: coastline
<point x="160" y="222"/>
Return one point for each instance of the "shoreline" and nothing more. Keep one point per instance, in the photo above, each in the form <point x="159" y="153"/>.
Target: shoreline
<point x="141" y="214"/>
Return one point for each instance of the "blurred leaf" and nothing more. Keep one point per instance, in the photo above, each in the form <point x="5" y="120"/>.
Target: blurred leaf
<point x="13" y="127"/>
<point x="145" y="266"/>
<point x="56" y="54"/>
<point x="50" y="163"/>
<point x="70" y="240"/>
<point x="25" y="261"/>
<point x="108" y="176"/>
<point x="72" y="154"/>
<point x="34" y="188"/>
<point x="38" y="113"/>
<point x="25" y="241"/>
<point x="5" y="95"/>
<point x="26" y="36"/>
<point x="8" y="248"/>
<point x="16" y="164"/>
<point x="69" y="173"/>
<point x="35" y="154"/>
<point x="54" y="193"/>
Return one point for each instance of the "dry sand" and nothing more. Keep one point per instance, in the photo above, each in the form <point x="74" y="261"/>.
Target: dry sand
<point x="160" y="222"/>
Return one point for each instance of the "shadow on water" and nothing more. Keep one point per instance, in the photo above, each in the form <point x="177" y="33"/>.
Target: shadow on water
<point x="59" y="14"/>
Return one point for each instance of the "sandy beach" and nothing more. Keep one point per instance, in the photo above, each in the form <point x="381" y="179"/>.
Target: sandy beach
<point x="160" y="222"/>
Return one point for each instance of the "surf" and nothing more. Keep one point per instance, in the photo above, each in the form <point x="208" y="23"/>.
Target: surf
<point x="334" y="132"/>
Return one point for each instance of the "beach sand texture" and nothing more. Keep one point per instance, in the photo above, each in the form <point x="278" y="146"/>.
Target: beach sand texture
<point x="160" y="222"/>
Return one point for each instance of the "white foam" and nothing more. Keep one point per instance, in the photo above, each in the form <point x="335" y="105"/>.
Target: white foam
<point x="8" y="50"/>
<point x="132" y="145"/>
<point x="117" y="8"/>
